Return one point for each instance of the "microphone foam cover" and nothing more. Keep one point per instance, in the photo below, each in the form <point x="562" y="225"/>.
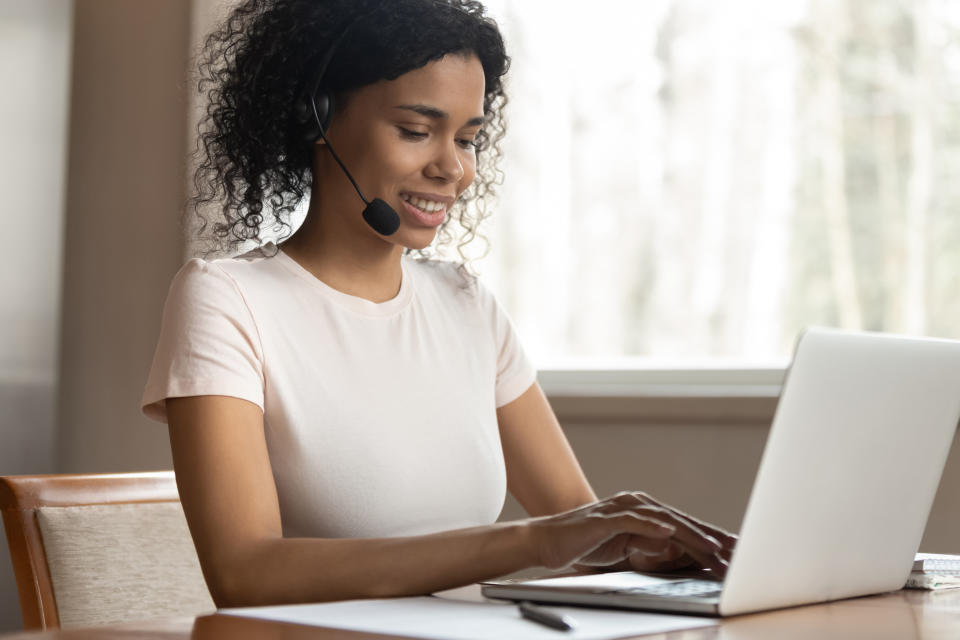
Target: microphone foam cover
<point x="381" y="217"/>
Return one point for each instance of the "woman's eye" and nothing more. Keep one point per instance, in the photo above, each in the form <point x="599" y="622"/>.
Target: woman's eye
<point x="411" y="135"/>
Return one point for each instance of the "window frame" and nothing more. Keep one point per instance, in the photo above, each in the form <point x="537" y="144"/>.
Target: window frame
<point x="719" y="395"/>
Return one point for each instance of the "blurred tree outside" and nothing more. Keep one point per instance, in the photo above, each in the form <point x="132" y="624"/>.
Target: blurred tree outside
<point x="688" y="179"/>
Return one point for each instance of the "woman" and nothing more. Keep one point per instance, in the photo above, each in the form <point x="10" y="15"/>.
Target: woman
<point x="344" y="419"/>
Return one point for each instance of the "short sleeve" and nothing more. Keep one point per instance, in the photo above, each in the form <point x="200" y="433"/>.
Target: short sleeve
<point x="515" y="371"/>
<point x="208" y="345"/>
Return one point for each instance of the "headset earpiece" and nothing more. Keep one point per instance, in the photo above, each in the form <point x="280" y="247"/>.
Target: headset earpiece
<point x="323" y="102"/>
<point x="320" y="105"/>
<point x="315" y="113"/>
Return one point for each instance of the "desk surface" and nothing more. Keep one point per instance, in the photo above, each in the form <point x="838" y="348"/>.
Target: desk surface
<point x="904" y="615"/>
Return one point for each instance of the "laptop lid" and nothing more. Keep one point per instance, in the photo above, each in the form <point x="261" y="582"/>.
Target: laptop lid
<point x="849" y="472"/>
<point x="850" y="469"/>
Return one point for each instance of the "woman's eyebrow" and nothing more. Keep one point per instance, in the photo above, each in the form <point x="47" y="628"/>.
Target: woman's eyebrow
<point x="436" y="114"/>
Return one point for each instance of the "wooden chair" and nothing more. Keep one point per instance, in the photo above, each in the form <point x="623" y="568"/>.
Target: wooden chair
<point x="92" y="549"/>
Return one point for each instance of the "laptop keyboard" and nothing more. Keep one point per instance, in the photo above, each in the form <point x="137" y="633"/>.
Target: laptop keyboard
<point x="679" y="589"/>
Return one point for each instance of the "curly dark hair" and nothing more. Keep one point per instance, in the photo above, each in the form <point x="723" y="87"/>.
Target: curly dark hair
<point x="254" y="153"/>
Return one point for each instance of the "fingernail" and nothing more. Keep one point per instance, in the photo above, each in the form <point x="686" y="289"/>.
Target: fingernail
<point x="714" y="542"/>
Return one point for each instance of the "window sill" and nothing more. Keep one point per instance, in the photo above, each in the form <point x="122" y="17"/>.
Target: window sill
<point x="664" y="395"/>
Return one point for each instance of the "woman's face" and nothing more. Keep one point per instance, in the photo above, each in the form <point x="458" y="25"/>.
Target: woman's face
<point x="409" y="142"/>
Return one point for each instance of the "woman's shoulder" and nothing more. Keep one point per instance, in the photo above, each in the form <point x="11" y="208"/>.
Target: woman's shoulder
<point x="452" y="281"/>
<point x="247" y="269"/>
<point x="451" y="277"/>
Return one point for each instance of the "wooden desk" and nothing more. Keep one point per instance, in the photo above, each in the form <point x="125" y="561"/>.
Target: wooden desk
<point x="904" y="615"/>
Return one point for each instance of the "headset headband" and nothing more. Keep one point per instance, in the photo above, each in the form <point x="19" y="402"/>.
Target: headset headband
<point x="328" y="56"/>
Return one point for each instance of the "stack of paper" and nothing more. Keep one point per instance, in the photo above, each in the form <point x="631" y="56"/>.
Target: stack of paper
<point x="934" y="571"/>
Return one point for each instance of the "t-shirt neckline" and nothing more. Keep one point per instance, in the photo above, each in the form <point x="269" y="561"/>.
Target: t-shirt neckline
<point x="354" y="303"/>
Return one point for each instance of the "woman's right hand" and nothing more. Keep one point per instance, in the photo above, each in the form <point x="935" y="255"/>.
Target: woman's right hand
<point x="604" y="533"/>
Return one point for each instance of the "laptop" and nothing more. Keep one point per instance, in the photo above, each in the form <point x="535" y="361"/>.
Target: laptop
<point x="848" y="475"/>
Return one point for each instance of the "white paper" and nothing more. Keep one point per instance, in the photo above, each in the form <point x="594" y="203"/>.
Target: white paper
<point x="447" y="619"/>
<point x="937" y="556"/>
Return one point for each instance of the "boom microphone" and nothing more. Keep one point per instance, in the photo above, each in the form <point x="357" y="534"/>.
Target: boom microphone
<point x="378" y="214"/>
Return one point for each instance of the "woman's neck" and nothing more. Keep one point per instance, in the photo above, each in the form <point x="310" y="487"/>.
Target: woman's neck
<point x="356" y="263"/>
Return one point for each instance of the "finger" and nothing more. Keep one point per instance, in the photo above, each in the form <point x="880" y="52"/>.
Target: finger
<point x="717" y="565"/>
<point x="614" y="537"/>
<point x="711" y="561"/>
<point x="632" y="522"/>
<point x="688" y="534"/>
<point x="673" y="552"/>
<point x="699" y="546"/>
<point x="724" y="537"/>
<point x="641" y="497"/>
<point x="717" y="562"/>
<point x="641" y="563"/>
<point x="653" y="547"/>
<point x="703" y="548"/>
<point x="727" y="554"/>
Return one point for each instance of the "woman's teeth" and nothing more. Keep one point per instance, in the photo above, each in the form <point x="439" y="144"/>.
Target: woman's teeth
<point x="424" y="205"/>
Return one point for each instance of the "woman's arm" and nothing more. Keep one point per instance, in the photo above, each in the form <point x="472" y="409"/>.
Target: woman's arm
<point x="544" y="476"/>
<point x="229" y="497"/>
<point x="230" y="501"/>
<point x="542" y="471"/>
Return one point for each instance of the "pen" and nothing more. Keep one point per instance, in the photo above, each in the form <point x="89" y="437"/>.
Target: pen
<point x="546" y="618"/>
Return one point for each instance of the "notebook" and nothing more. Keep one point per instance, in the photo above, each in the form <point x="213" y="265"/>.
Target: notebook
<point x="936" y="562"/>
<point x="848" y="475"/>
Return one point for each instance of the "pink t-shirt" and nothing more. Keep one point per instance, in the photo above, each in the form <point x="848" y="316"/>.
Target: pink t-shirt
<point x="380" y="419"/>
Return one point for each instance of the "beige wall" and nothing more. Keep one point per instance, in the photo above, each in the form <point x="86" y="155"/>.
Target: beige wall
<point x="123" y="242"/>
<point x="671" y="449"/>
<point x="35" y="46"/>
<point x="120" y="239"/>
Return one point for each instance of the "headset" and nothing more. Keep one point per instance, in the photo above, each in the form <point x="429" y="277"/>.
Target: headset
<point x="319" y="103"/>
<point x="378" y="214"/>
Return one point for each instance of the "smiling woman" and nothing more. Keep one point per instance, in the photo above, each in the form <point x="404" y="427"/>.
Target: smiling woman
<point x="409" y="141"/>
<point x="255" y="168"/>
<point x="345" y="420"/>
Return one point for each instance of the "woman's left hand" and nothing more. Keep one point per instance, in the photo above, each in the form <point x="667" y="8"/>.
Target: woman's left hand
<point x="671" y="557"/>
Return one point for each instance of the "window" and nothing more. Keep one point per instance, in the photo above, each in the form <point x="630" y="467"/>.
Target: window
<point x="692" y="179"/>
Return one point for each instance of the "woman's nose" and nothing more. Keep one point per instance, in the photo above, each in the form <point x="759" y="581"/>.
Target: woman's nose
<point x="446" y="163"/>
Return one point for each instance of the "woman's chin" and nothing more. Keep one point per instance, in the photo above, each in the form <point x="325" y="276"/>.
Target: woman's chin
<point x="419" y="239"/>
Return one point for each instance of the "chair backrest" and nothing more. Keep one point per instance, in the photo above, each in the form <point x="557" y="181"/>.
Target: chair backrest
<point x="92" y="549"/>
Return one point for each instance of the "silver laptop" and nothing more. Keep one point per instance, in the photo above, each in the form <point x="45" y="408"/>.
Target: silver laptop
<point x="841" y="499"/>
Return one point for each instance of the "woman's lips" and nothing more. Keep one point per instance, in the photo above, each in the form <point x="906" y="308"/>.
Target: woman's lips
<point x="426" y="218"/>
